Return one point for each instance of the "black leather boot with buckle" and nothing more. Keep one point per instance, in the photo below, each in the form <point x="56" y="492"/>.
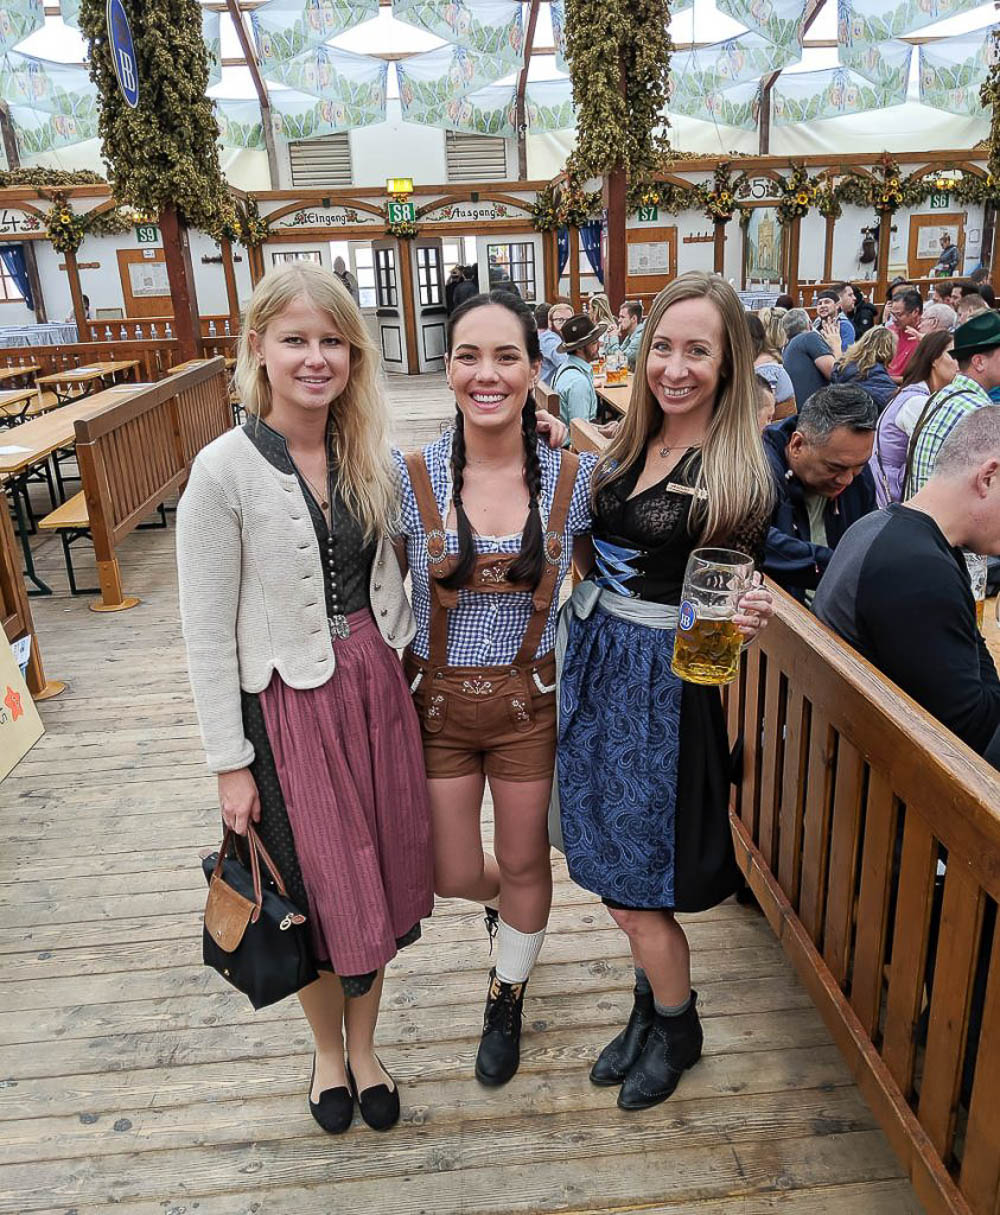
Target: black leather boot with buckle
<point x="500" y="1046"/>
<point x="615" y="1061"/>
<point x="673" y="1045"/>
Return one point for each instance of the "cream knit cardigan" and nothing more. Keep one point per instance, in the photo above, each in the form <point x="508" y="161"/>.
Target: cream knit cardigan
<point x="251" y="590"/>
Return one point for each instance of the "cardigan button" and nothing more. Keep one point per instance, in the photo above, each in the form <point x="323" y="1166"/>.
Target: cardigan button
<point x="378" y="586"/>
<point x="392" y="636"/>
<point x="384" y="612"/>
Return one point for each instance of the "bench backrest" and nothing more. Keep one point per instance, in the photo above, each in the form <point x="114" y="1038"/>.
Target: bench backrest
<point x="852" y="798"/>
<point x="134" y="454"/>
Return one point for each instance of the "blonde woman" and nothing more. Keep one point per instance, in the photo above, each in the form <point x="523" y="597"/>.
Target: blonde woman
<point x="292" y="606"/>
<point x="866" y="363"/>
<point x="599" y="309"/>
<point x="643" y="760"/>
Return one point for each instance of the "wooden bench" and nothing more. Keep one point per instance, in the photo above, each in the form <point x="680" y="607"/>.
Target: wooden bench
<point x="546" y="398"/>
<point x="15" y="611"/>
<point x="132" y="457"/>
<point x="870" y="835"/>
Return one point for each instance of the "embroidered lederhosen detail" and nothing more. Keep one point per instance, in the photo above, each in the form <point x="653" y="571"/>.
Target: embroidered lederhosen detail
<point x="514" y="682"/>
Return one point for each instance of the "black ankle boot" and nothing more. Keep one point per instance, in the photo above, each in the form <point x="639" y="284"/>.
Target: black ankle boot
<point x="673" y="1045"/>
<point x="500" y="1046"/>
<point x="617" y="1058"/>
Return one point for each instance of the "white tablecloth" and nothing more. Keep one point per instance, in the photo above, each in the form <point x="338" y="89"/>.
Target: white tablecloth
<point x="57" y="333"/>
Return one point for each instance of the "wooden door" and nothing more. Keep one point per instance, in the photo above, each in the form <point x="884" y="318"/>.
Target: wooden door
<point x="145" y="289"/>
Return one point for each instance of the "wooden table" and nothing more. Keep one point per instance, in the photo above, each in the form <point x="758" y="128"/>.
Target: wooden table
<point x="11" y="373"/>
<point x="13" y="403"/>
<point x="615" y="397"/>
<point x="88" y="375"/>
<point x="26" y="447"/>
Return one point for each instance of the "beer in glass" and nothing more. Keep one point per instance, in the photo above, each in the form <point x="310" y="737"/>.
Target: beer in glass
<point x="976" y="565"/>
<point x="707" y="643"/>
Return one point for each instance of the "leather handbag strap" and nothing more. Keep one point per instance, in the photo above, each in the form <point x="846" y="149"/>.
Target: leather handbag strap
<point x="258" y="853"/>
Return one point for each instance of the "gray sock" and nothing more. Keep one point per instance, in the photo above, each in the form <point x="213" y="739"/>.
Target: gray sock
<point x="641" y="982"/>
<point x="672" y="1010"/>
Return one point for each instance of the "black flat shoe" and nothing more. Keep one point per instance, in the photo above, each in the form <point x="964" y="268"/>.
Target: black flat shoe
<point x="334" y="1110"/>
<point x="379" y="1104"/>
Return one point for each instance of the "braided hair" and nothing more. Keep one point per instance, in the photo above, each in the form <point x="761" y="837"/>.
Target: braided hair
<point x="530" y="563"/>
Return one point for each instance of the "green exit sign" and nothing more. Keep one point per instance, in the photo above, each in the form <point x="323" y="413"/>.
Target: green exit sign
<point x="147" y="234"/>
<point x="649" y="214"/>
<point x="402" y="213"/>
<point x="940" y="201"/>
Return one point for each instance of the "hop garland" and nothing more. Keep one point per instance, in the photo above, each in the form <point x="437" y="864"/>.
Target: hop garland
<point x="243" y="222"/>
<point x="989" y="95"/>
<point x="666" y="195"/>
<point x="164" y="152"/>
<point x="544" y="215"/>
<point x="619" y="64"/>
<point x="402" y="229"/>
<point x="566" y="205"/>
<point x="40" y="177"/>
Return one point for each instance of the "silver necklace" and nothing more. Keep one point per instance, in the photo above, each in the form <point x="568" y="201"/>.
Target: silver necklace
<point x="665" y="452"/>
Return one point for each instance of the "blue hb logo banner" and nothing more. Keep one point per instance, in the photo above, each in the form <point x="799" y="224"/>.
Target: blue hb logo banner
<point x="123" y="52"/>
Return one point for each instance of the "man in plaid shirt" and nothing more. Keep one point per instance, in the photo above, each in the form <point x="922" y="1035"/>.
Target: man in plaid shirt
<point x="977" y="351"/>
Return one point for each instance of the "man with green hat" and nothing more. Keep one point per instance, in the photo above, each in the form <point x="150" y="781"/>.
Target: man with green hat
<point x="977" y="352"/>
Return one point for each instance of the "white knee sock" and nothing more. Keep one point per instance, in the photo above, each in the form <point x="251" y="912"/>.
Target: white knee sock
<point x="517" y="953"/>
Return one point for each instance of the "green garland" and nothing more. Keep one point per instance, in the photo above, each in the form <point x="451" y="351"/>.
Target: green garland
<point x="544" y="216"/>
<point x="66" y="228"/>
<point x="797" y="194"/>
<point x="619" y="64"/>
<point x="565" y="205"/>
<point x="989" y="95"/>
<point x="402" y="229"/>
<point x="719" y="199"/>
<point x="40" y="177"/>
<point x="164" y="152"/>
<point x="243" y="222"/>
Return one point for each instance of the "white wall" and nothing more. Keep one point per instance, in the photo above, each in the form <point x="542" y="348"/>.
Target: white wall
<point x="397" y="149"/>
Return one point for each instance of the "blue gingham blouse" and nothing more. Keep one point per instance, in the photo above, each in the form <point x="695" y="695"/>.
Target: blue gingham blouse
<point x="485" y="629"/>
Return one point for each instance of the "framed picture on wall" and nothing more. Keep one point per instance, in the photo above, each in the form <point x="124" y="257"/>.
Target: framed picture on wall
<point x="762" y="246"/>
<point x="924" y="244"/>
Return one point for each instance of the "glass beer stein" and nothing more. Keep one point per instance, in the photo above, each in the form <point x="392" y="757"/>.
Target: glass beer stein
<point x="707" y="643"/>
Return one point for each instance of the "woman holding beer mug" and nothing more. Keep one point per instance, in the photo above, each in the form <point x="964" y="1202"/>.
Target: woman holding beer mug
<point x="643" y="759"/>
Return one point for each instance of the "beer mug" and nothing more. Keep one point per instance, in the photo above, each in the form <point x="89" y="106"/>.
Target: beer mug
<point x="976" y="566"/>
<point x="707" y="643"/>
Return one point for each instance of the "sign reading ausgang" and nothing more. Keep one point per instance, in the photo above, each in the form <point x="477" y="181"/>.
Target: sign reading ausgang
<point x="123" y="52"/>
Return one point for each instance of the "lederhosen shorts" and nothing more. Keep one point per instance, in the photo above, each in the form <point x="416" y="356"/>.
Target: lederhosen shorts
<point x="497" y="720"/>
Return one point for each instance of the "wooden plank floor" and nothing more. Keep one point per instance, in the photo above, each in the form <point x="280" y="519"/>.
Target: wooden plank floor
<point x="132" y="1078"/>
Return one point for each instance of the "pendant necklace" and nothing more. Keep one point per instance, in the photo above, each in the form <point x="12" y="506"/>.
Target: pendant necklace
<point x="320" y="498"/>
<point x="665" y="452"/>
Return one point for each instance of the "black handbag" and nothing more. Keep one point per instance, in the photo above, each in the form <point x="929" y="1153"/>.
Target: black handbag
<point x="254" y="936"/>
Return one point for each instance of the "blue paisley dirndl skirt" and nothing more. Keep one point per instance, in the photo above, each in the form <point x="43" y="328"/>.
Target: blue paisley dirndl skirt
<point x="643" y="770"/>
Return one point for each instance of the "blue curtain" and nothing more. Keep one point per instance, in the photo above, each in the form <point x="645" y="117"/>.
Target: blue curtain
<point x="13" y="259"/>
<point x="591" y="233"/>
<point x="562" y="238"/>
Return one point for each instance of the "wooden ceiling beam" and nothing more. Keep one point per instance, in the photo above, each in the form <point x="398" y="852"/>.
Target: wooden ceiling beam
<point x="258" y="83"/>
<point x="522" y="84"/>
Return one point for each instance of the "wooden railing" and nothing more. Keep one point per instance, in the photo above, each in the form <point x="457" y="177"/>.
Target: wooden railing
<point x="155" y="356"/>
<point x="871" y="837"/>
<point x="135" y="454"/>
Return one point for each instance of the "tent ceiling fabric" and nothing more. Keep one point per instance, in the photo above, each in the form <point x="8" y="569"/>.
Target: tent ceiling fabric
<point x="467" y="82"/>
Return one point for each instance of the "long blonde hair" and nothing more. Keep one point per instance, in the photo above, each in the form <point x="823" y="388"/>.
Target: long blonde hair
<point x="734" y="469"/>
<point x="774" y="331"/>
<point x="878" y="345"/>
<point x="359" y="417"/>
<point x="600" y="310"/>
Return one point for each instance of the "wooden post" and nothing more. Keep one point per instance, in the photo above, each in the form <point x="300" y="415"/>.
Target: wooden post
<point x="616" y="266"/>
<point x="828" y="250"/>
<point x="550" y="263"/>
<point x="177" y="253"/>
<point x="522" y="82"/>
<point x="574" y="266"/>
<point x="720" y="246"/>
<point x="884" y="237"/>
<point x="255" y="263"/>
<point x="232" y="295"/>
<point x="76" y="294"/>
<point x="407" y="300"/>
<point x="794" y="238"/>
<point x="992" y="223"/>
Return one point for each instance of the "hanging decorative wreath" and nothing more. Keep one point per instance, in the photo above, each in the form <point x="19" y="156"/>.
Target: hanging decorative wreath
<point x="544" y="216"/>
<point x="719" y="199"/>
<point x="66" y="228"/>
<point x="798" y="193"/>
<point x="563" y="205"/>
<point x="244" y="223"/>
<point x="402" y="229"/>
<point x="667" y="195"/>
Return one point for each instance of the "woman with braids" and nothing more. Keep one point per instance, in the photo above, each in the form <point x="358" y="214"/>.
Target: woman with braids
<point x="488" y="516"/>
<point x="643" y="760"/>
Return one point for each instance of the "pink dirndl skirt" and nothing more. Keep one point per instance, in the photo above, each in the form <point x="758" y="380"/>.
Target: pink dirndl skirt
<point x="350" y="764"/>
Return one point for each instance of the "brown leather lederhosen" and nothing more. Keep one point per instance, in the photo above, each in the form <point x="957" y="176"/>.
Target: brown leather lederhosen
<point x="495" y="719"/>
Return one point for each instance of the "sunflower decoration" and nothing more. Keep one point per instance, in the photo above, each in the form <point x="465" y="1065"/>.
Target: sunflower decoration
<point x="544" y="214"/>
<point x="248" y="225"/>
<point x="798" y="194"/>
<point x="576" y="206"/>
<point x="402" y="229"/>
<point x="719" y="201"/>
<point x="65" y="227"/>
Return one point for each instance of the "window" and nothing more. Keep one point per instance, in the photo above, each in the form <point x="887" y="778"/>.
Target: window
<point x="300" y="255"/>
<point x="364" y="272"/>
<point x="515" y="262"/>
<point x="321" y="162"/>
<point x="429" y="275"/>
<point x="385" y="278"/>
<point x="474" y="157"/>
<point x="9" y="290"/>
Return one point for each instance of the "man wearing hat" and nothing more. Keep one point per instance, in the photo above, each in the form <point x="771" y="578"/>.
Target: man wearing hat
<point x="575" y="379"/>
<point x="977" y="352"/>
